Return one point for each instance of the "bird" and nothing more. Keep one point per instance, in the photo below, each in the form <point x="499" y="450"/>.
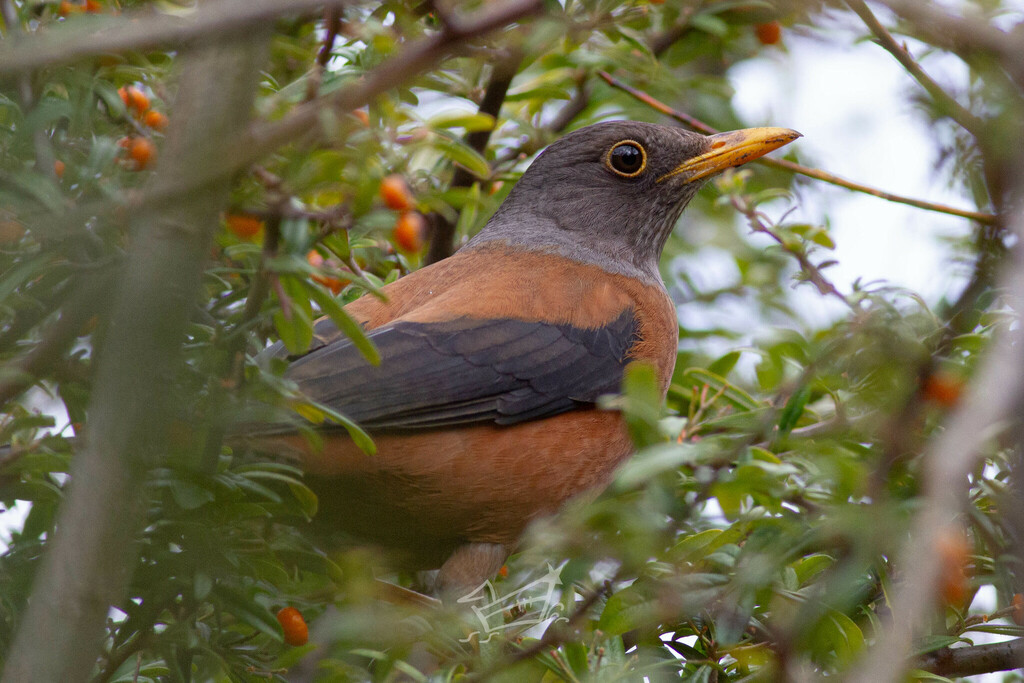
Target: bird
<point x="484" y="406"/>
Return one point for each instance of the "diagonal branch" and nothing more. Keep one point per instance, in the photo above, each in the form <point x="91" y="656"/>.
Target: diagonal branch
<point x="964" y="35"/>
<point x="304" y="122"/>
<point x="145" y="30"/>
<point x="793" y="167"/>
<point x="415" y="58"/>
<point x="959" y="113"/>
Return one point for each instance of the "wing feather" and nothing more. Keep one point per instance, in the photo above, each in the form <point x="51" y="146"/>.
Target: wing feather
<point x="466" y="370"/>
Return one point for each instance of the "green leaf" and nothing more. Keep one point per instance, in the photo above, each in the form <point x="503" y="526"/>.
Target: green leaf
<point x="794" y="409"/>
<point x="733" y="394"/>
<point x="306" y="498"/>
<point x="249" y="611"/>
<point x="725" y="364"/>
<point x="345" y="322"/>
<point x="295" y="329"/>
<point x="317" y="413"/>
<point x="641" y="405"/>
<point x="471" y="122"/>
<point x="464" y="155"/>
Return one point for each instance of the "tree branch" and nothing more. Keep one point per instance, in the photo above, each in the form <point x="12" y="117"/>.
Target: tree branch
<point x="443" y="231"/>
<point x="146" y="30"/>
<point x="963" y="35"/>
<point x="90" y="560"/>
<point x="304" y="122"/>
<point x="956" y="111"/>
<point x="415" y="58"/>
<point x="799" y="169"/>
<point x="18" y="375"/>
<point x="994" y="396"/>
<point x="971" y="661"/>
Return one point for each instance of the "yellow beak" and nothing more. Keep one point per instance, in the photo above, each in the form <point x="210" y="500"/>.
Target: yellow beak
<point x="734" y="148"/>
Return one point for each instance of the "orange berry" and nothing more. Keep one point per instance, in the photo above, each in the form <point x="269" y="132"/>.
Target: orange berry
<point x="11" y="231"/>
<point x="409" y="232"/>
<point x="93" y="6"/>
<point x="65" y="8"/>
<point x="1018" y="609"/>
<point x="503" y="572"/>
<point x="134" y="98"/>
<point x="495" y="187"/>
<point x="155" y="120"/>
<point x="142" y="151"/>
<point x="768" y="33"/>
<point x="395" y="193"/>
<point x="294" y="626"/>
<point x="58" y="168"/>
<point x="363" y="116"/>
<point x="332" y="283"/>
<point x="243" y="226"/>
<point x="944" y="388"/>
<point x="953" y="551"/>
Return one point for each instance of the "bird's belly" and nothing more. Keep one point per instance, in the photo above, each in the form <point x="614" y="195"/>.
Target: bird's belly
<point x="431" y="491"/>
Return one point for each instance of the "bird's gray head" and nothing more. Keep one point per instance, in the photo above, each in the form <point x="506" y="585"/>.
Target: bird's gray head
<point x="610" y="194"/>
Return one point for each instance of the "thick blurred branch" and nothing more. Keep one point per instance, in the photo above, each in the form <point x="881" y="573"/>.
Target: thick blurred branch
<point x="305" y="122"/>
<point x="146" y="30"/>
<point x="799" y="169"/>
<point x="996" y="395"/>
<point x="90" y="560"/>
<point x="442" y="230"/>
<point x="971" y="661"/>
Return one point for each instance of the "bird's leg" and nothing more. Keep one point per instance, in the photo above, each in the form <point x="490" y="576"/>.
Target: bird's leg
<point x="468" y="567"/>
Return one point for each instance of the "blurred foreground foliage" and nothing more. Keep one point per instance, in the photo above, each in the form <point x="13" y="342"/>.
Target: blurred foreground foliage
<point x="753" y="529"/>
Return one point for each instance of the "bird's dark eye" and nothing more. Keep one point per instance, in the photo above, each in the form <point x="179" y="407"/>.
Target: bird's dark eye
<point x="627" y="158"/>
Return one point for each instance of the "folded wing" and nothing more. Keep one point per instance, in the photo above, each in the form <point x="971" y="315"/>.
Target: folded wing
<point x="467" y="370"/>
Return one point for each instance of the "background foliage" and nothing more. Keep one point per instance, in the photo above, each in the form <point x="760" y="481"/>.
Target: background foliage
<point x="758" y="532"/>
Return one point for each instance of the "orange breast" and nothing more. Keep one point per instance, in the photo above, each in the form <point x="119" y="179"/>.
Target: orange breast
<point x="431" y="491"/>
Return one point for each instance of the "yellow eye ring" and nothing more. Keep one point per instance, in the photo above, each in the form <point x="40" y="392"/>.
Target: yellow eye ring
<point x="626" y="158"/>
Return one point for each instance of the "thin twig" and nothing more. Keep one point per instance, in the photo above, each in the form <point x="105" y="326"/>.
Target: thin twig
<point x="814" y="276"/>
<point x="800" y="169"/>
<point x="553" y="637"/>
<point x="332" y="25"/>
<point x="21" y="373"/>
